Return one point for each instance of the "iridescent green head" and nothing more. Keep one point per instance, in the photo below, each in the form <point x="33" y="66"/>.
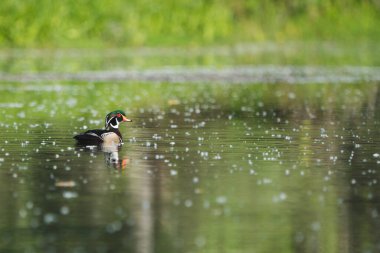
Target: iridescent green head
<point x="114" y="118"/>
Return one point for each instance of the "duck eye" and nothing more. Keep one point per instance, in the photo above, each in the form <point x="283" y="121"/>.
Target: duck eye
<point x="118" y="115"/>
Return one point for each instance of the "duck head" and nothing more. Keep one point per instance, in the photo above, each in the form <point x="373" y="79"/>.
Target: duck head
<point x="113" y="119"/>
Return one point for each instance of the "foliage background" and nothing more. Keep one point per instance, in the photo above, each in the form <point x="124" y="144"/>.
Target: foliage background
<point x="98" y="23"/>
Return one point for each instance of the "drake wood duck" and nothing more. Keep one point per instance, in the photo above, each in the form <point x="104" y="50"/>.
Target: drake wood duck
<point x="108" y="136"/>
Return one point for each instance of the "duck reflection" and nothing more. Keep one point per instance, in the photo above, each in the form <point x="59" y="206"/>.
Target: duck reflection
<point x="111" y="156"/>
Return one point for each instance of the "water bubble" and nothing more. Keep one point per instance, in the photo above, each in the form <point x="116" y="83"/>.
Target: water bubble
<point x="221" y="200"/>
<point x="267" y="181"/>
<point x="204" y="154"/>
<point x="280" y="197"/>
<point x="71" y="102"/>
<point x="200" y="241"/>
<point x="114" y="227"/>
<point x="21" y="114"/>
<point x="65" y="210"/>
<point x="217" y="157"/>
<point x="69" y="194"/>
<point x="316" y="226"/>
<point x="22" y="213"/>
<point x="374" y="213"/>
<point x="291" y="95"/>
<point x="29" y="205"/>
<point x="50" y="218"/>
<point x="299" y="237"/>
<point x="158" y="157"/>
<point x="188" y="203"/>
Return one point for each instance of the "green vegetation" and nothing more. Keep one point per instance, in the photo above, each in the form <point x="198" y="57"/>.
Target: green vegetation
<point x="96" y="23"/>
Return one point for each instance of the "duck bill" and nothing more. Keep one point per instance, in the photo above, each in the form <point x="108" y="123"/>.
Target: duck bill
<point x="125" y="119"/>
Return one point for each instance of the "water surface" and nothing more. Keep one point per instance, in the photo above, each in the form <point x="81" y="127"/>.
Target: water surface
<point x="205" y="167"/>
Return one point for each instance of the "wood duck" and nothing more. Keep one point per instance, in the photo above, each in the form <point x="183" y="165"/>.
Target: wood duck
<point x="108" y="136"/>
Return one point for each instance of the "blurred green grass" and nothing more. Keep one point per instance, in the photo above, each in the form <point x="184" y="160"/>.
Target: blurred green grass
<point x="118" y="23"/>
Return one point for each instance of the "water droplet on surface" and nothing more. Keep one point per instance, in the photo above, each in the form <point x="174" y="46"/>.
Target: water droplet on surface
<point x="50" y="218"/>
<point x="21" y="114"/>
<point x="29" y="205"/>
<point x="316" y="226"/>
<point x="221" y="200"/>
<point x="200" y="241"/>
<point x="69" y="194"/>
<point x="291" y="95"/>
<point x="22" y="213"/>
<point x="188" y="203"/>
<point x="65" y="210"/>
<point x="114" y="227"/>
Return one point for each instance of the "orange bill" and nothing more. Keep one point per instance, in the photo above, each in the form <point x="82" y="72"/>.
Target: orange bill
<point x="125" y="119"/>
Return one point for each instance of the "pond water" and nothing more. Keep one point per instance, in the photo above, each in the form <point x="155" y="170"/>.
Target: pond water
<point x="205" y="166"/>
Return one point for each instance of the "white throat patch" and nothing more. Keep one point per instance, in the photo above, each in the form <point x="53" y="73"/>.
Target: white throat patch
<point x="114" y="126"/>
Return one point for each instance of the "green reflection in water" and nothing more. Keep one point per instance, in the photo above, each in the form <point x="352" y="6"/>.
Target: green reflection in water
<point x="298" y="53"/>
<point x="205" y="168"/>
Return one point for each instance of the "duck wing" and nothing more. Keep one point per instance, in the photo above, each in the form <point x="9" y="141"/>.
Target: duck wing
<point x="91" y="137"/>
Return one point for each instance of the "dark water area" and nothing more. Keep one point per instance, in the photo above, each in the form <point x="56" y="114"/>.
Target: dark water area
<point x="205" y="166"/>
